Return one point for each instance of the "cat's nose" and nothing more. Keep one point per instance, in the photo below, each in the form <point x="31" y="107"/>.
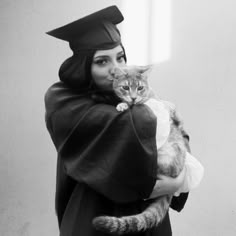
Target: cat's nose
<point x="133" y="100"/>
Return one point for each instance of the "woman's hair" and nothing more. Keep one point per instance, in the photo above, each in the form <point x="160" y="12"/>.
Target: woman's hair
<point x="76" y="70"/>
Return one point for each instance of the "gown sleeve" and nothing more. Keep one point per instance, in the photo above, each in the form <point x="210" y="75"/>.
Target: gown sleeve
<point x="114" y="153"/>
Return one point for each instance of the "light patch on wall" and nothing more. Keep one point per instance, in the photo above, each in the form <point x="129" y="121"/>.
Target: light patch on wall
<point x="134" y="30"/>
<point x="160" y="32"/>
<point x="146" y="31"/>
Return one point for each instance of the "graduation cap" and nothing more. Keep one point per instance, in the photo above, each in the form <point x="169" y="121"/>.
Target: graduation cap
<point x="95" y="31"/>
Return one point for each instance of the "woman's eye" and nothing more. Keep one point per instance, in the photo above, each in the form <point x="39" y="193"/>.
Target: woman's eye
<point x="140" y="88"/>
<point x="125" y="87"/>
<point x="121" y="58"/>
<point x="101" y="62"/>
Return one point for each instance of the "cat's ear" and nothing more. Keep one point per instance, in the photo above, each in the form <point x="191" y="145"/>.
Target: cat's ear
<point x="145" y="71"/>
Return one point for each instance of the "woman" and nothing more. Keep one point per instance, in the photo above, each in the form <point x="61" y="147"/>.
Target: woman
<point x="106" y="160"/>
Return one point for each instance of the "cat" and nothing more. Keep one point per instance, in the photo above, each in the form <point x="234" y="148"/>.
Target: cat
<point x="131" y="86"/>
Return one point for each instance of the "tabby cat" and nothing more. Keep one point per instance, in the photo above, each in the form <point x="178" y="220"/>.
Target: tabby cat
<point x="131" y="86"/>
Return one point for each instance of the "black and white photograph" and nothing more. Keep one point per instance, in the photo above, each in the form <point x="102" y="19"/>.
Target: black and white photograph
<point x="118" y="118"/>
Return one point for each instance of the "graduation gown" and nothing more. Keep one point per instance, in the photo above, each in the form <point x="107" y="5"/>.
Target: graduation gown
<point x="106" y="160"/>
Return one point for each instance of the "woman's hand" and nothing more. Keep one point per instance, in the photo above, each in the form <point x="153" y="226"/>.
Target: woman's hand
<point x="166" y="185"/>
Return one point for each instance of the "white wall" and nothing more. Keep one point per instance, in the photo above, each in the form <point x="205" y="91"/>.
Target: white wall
<point x="30" y="60"/>
<point x="199" y="78"/>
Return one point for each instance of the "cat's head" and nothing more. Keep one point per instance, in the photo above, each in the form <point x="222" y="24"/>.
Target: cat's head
<point x="130" y="84"/>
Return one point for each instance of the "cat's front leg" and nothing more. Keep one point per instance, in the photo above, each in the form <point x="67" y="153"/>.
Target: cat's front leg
<point x="122" y="106"/>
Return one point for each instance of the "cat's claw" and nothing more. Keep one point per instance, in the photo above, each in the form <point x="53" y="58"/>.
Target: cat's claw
<point x="122" y="106"/>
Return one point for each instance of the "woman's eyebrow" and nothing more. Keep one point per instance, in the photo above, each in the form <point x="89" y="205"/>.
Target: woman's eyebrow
<point x="121" y="52"/>
<point x="105" y="56"/>
<point x="100" y="56"/>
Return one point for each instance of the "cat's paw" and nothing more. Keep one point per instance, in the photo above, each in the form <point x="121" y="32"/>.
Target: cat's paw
<point x="122" y="106"/>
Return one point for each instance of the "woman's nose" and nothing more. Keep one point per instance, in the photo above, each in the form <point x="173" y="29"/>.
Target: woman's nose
<point x="112" y="71"/>
<point x="116" y="71"/>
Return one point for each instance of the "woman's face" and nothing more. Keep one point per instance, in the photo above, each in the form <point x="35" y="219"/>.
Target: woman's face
<point x="102" y="66"/>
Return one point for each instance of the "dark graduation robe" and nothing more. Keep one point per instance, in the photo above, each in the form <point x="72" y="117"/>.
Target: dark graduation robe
<point x="106" y="160"/>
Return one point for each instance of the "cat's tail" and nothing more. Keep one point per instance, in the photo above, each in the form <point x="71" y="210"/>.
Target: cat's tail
<point x="149" y="218"/>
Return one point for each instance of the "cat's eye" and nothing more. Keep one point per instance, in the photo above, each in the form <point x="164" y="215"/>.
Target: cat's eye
<point x="125" y="87"/>
<point x="140" y="88"/>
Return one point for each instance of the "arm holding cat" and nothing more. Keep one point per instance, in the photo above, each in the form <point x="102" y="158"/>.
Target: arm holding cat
<point x="193" y="171"/>
<point x="166" y="185"/>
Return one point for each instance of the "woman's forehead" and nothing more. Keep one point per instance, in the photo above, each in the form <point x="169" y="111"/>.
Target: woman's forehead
<point x="108" y="52"/>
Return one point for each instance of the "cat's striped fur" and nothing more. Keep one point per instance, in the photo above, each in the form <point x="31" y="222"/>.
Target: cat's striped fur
<point x="132" y="87"/>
